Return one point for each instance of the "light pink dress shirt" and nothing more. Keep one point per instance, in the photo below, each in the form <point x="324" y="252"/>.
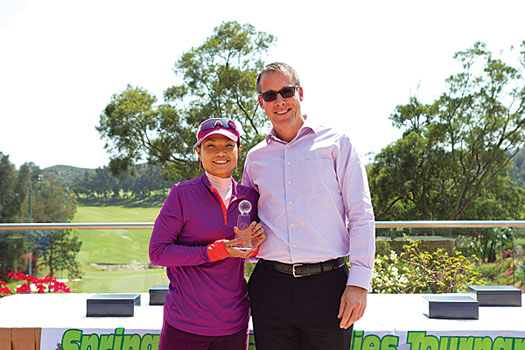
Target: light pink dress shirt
<point x="311" y="189"/>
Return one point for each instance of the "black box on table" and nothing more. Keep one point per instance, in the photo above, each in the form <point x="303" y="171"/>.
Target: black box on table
<point x="112" y="305"/>
<point x="452" y="306"/>
<point x="157" y="294"/>
<point x="496" y="295"/>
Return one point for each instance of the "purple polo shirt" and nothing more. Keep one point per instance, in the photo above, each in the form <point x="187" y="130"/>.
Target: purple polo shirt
<point x="205" y="298"/>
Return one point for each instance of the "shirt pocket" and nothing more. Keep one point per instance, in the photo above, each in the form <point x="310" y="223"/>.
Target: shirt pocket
<point x="318" y="177"/>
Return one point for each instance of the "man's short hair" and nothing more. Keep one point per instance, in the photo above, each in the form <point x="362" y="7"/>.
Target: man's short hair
<point x="279" y="67"/>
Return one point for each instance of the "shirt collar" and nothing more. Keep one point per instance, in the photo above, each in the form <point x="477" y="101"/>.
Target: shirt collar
<point x="306" y="128"/>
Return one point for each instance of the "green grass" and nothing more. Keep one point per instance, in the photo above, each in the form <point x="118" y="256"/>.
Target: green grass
<point x="115" y="213"/>
<point x="119" y="281"/>
<point x="117" y="246"/>
<point x="114" y="246"/>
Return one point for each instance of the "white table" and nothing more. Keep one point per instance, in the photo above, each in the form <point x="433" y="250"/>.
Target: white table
<point x="388" y="317"/>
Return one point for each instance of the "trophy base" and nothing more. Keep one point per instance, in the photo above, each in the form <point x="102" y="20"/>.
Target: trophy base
<point x="241" y="248"/>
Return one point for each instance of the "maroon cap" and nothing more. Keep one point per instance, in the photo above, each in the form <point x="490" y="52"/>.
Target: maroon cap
<point x="220" y="126"/>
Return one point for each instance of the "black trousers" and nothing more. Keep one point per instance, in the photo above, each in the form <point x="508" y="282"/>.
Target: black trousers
<point x="298" y="313"/>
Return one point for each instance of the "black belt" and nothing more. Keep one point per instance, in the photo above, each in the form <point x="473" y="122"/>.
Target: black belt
<point x="302" y="270"/>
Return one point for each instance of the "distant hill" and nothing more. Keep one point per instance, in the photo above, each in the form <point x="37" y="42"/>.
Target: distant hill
<point x="66" y="173"/>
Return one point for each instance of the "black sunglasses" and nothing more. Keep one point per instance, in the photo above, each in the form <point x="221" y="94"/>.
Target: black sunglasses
<point x="285" y="92"/>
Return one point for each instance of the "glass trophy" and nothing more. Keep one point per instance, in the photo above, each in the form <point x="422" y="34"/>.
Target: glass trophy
<point x="243" y="224"/>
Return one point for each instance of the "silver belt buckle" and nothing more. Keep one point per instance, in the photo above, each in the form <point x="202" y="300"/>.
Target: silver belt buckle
<point x="293" y="270"/>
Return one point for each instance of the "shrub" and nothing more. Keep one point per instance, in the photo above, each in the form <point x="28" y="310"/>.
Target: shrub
<point x="418" y="271"/>
<point x="505" y="270"/>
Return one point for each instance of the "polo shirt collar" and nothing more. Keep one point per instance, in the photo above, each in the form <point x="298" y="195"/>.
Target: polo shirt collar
<point x="306" y="128"/>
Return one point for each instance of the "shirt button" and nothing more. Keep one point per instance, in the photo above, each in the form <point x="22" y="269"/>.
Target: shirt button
<point x="293" y="225"/>
<point x="290" y="202"/>
<point x="289" y="163"/>
<point x="294" y="246"/>
<point x="289" y="182"/>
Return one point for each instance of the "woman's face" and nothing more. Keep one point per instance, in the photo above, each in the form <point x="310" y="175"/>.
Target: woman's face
<point x="218" y="155"/>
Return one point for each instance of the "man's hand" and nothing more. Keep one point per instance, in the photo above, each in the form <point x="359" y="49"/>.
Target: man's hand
<point x="352" y="306"/>
<point x="258" y="235"/>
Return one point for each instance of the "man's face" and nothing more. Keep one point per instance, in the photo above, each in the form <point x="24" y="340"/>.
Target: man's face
<point x="284" y="113"/>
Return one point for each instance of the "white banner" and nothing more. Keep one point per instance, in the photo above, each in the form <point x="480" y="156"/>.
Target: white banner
<point x="99" y="339"/>
<point x="132" y="339"/>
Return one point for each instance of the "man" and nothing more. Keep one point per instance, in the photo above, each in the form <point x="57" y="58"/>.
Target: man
<point x="311" y="182"/>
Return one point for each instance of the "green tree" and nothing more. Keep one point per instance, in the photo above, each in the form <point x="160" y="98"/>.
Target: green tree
<point x="453" y="159"/>
<point x="517" y="173"/>
<point x="10" y="199"/>
<point x="218" y="80"/>
<point x="13" y="193"/>
<point x="22" y="189"/>
<point x="26" y="196"/>
<point x="51" y="202"/>
<point x="61" y="249"/>
<point x="81" y="184"/>
<point x="103" y="181"/>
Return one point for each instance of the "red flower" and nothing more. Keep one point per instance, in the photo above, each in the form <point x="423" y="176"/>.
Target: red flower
<point x="24" y="288"/>
<point x="20" y="276"/>
<point x="47" y="283"/>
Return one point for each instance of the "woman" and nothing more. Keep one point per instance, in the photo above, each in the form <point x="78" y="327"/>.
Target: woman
<point x="207" y="303"/>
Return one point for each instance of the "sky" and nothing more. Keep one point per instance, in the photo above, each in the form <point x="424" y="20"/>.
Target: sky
<point x="62" y="60"/>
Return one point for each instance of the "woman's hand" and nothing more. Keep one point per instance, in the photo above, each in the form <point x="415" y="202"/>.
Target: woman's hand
<point x="238" y="253"/>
